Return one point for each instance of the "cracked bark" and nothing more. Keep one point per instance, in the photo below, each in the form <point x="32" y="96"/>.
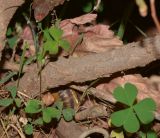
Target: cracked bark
<point x="90" y="67"/>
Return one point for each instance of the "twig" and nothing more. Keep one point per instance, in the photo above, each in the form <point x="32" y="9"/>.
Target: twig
<point x="19" y="132"/>
<point x="5" y="130"/>
<point x="100" y="94"/>
<point x="94" y="130"/>
<point x="92" y="112"/>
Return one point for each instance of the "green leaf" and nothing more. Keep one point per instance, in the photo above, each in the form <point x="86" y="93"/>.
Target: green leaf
<point x="51" y="47"/>
<point x="50" y="113"/>
<point x="56" y="32"/>
<point x="59" y="105"/>
<point x="28" y="129"/>
<point x="12" y="41"/>
<point x="127" y="119"/>
<point x="68" y="114"/>
<point x="145" y="110"/>
<point x="33" y="106"/>
<point x="38" y="121"/>
<point x="7" y="77"/>
<point x="47" y="36"/>
<point x="88" y="7"/>
<point x="12" y="90"/>
<point x="9" y="31"/>
<point x="46" y="115"/>
<point x="151" y="134"/>
<point x="64" y="44"/>
<point x="18" y="102"/>
<point x="30" y="60"/>
<point x="56" y="113"/>
<point x="6" y="102"/>
<point x="126" y="95"/>
<point x="142" y="134"/>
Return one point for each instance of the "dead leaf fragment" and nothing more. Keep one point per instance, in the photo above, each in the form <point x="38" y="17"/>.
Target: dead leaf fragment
<point x="43" y="7"/>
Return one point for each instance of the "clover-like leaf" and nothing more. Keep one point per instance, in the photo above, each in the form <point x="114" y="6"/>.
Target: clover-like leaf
<point x="68" y="114"/>
<point x="6" y="102"/>
<point x="56" y="33"/>
<point x="28" y="129"/>
<point x="145" y="110"/>
<point x="127" y="119"/>
<point x="33" y="106"/>
<point x="126" y="95"/>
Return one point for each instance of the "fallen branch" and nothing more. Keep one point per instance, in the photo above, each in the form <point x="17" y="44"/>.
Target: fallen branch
<point x="90" y="67"/>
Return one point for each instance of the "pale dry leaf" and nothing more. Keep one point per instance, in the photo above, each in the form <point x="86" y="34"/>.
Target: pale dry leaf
<point x="43" y="7"/>
<point x="87" y="18"/>
<point x="144" y="85"/>
<point x="48" y="99"/>
<point x="96" y="38"/>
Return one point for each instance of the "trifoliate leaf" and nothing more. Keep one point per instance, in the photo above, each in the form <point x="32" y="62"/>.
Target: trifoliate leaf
<point x="33" y="106"/>
<point x="127" y="119"/>
<point x="126" y="95"/>
<point x="145" y="110"/>
<point x="6" y="102"/>
<point x="28" y="129"/>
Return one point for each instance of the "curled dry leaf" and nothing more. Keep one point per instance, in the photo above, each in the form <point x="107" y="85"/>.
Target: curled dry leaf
<point x="144" y="85"/>
<point x="96" y="38"/>
<point x="48" y="99"/>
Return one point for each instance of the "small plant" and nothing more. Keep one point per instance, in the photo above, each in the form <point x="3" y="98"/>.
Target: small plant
<point x="46" y="114"/>
<point x="12" y="100"/>
<point x="52" y="40"/>
<point x="135" y="114"/>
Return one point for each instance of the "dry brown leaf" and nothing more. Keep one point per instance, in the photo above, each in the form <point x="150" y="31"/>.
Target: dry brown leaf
<point x="144" y="85"/>
<point x="43" y="7"/>
<point x="48" y="99"/>
<point x="97" y="38"/>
